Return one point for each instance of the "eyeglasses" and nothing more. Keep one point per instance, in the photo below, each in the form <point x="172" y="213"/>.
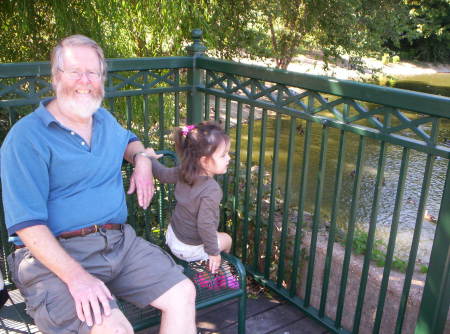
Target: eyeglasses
<point x="75" y="75"/>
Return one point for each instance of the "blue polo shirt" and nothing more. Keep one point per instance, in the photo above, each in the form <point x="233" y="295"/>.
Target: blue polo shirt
<point x="50" y="176"/>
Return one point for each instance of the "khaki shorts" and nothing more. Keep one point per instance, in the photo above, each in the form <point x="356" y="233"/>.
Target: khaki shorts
<point x="132" y="268"/>
<point x="184" y="251"/>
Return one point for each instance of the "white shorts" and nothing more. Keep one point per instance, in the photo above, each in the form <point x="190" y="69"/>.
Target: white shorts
<point x="184" y="251"/>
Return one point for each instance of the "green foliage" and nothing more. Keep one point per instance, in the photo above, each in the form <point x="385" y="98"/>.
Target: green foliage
<point x="123" y="28"/>
<point x="429" y="29"/>
<point x="423" y="269"/>
<point x="258" y="29"/>
<point x="354" y="28"/>
<point x="378" y="254"/>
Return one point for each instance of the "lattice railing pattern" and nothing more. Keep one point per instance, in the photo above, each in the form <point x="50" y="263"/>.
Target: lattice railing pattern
<point x="24" y="90"/>
<point x="142" y="80"/>
<point x="378" y="121"/>
<point x="29" y="90"/>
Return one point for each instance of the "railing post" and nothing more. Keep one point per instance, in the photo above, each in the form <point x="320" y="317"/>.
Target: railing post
<point x="195" y="79"/>
<point x="436" y="294"/>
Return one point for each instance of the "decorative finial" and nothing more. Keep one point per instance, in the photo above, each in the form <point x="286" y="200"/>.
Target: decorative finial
<point x="197" y="47"/>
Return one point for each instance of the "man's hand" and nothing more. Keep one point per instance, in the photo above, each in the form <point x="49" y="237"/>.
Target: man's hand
<point x="214" y="263"/>
<point x="141" y="181"/>
<point x="89" y="293"/>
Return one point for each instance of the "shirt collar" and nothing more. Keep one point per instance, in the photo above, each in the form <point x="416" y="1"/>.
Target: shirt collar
<point x="47" y="118"/>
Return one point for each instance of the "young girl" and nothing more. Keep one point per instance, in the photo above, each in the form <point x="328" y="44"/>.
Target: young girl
<point x="192" y="234"/>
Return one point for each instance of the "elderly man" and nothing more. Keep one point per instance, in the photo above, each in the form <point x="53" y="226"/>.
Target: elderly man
<point x="65" y="210"/>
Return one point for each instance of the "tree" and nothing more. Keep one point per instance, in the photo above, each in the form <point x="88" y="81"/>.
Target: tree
<point x="356" y="28"/>
<point x="430" y="30"/>
<point x="255" y="28"/>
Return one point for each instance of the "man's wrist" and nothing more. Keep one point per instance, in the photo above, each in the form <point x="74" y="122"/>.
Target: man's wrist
<point x="141" y="153"/>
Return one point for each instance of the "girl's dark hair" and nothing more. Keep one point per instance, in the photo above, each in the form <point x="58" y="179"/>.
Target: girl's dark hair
<point x="195" y="141"/>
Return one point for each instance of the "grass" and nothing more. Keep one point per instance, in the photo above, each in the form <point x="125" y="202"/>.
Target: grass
<point x="378" y="253"/>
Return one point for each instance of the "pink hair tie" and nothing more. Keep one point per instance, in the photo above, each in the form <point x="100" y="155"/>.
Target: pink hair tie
<point x="186" y="129"/>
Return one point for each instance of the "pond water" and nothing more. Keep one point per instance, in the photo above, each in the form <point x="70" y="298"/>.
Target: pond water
<point x="409" y="212"/>
<point x="438" y="83"/>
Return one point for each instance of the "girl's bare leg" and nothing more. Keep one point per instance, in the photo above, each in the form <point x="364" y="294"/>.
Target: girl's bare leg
<point x="224" y="242"/>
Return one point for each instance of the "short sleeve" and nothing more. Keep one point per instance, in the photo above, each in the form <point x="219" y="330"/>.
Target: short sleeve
<point x="25" y="184"/>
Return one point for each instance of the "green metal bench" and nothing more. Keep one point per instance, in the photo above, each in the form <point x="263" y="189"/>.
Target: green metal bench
<point x="14" y="319"/>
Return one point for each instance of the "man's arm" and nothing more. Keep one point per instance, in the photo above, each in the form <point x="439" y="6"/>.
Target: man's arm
<point x="87" y="291"/>
<point x="141" y="180"/>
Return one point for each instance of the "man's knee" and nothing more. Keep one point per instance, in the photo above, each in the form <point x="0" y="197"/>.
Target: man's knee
<point x="187" y="289"/>
<point x="181" y="295"/>
<point x="115" y="323"/>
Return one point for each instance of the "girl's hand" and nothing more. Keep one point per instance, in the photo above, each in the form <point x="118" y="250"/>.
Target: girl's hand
<point x="152" y="154"/>
<point x="214" y="263"/>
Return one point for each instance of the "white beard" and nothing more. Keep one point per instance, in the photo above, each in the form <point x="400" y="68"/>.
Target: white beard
<point x="83" y="108"/>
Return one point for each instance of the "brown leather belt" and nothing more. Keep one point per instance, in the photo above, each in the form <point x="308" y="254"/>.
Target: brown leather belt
<point x="85" y="231"/>
<point x="88" y="230"/>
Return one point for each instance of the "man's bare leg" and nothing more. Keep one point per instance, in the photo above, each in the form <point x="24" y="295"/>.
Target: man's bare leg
<point x="178" y="309"/>
<point x="115" y="323"/>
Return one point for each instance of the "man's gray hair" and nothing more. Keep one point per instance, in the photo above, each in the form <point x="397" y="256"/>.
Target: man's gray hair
<point x="76" y="40"/>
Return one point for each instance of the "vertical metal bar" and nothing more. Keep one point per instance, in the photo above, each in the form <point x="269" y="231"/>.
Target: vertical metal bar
<point x="129" y="112"/>
<point x="110" y="99"/>
<point x="316" y="219"/>
<point x="287" y="201"/>
<point x="301" y="208"/>
<point x="434" y="130"/>
<point x="161" y="121"/>
<point x="131" y="204"/>
<point x="195" y="107"/>
<point x="242" y="312"/>
<point x="237" y="179"/>
<point x="333" y="223"/>
<point x="392" y="239"/>
<point x="273" y="189"/>
<point x="177" y="98"/>
<point x="370" y="237"/>
<point x="260" y="191"/>
<point x="217" y="109"/>
<point x="248" y="182"/>
<point x="415" y="243"/>
<point x="226" y="176"/>
<point x="146" y="120"/>
<point x="4" y="242"/>
<point x="346" y="113"/>
<point x="207" y="105"/>
<point x="147" y="221"/>
<point x="228" y="108"/>
<point x="436" y="293"/>
<point x="161" y="215"/>
<point x="12" y="116"/>
<point x="350" y="231"/>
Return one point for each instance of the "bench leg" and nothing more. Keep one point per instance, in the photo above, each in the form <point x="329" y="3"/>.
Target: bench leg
<point x="242" y="313"/>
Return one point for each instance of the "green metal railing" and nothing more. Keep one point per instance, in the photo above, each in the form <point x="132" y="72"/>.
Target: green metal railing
<point x="311" y="154"/>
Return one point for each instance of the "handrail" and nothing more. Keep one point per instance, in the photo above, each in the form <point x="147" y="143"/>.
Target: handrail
<point x="393" y="97"/>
